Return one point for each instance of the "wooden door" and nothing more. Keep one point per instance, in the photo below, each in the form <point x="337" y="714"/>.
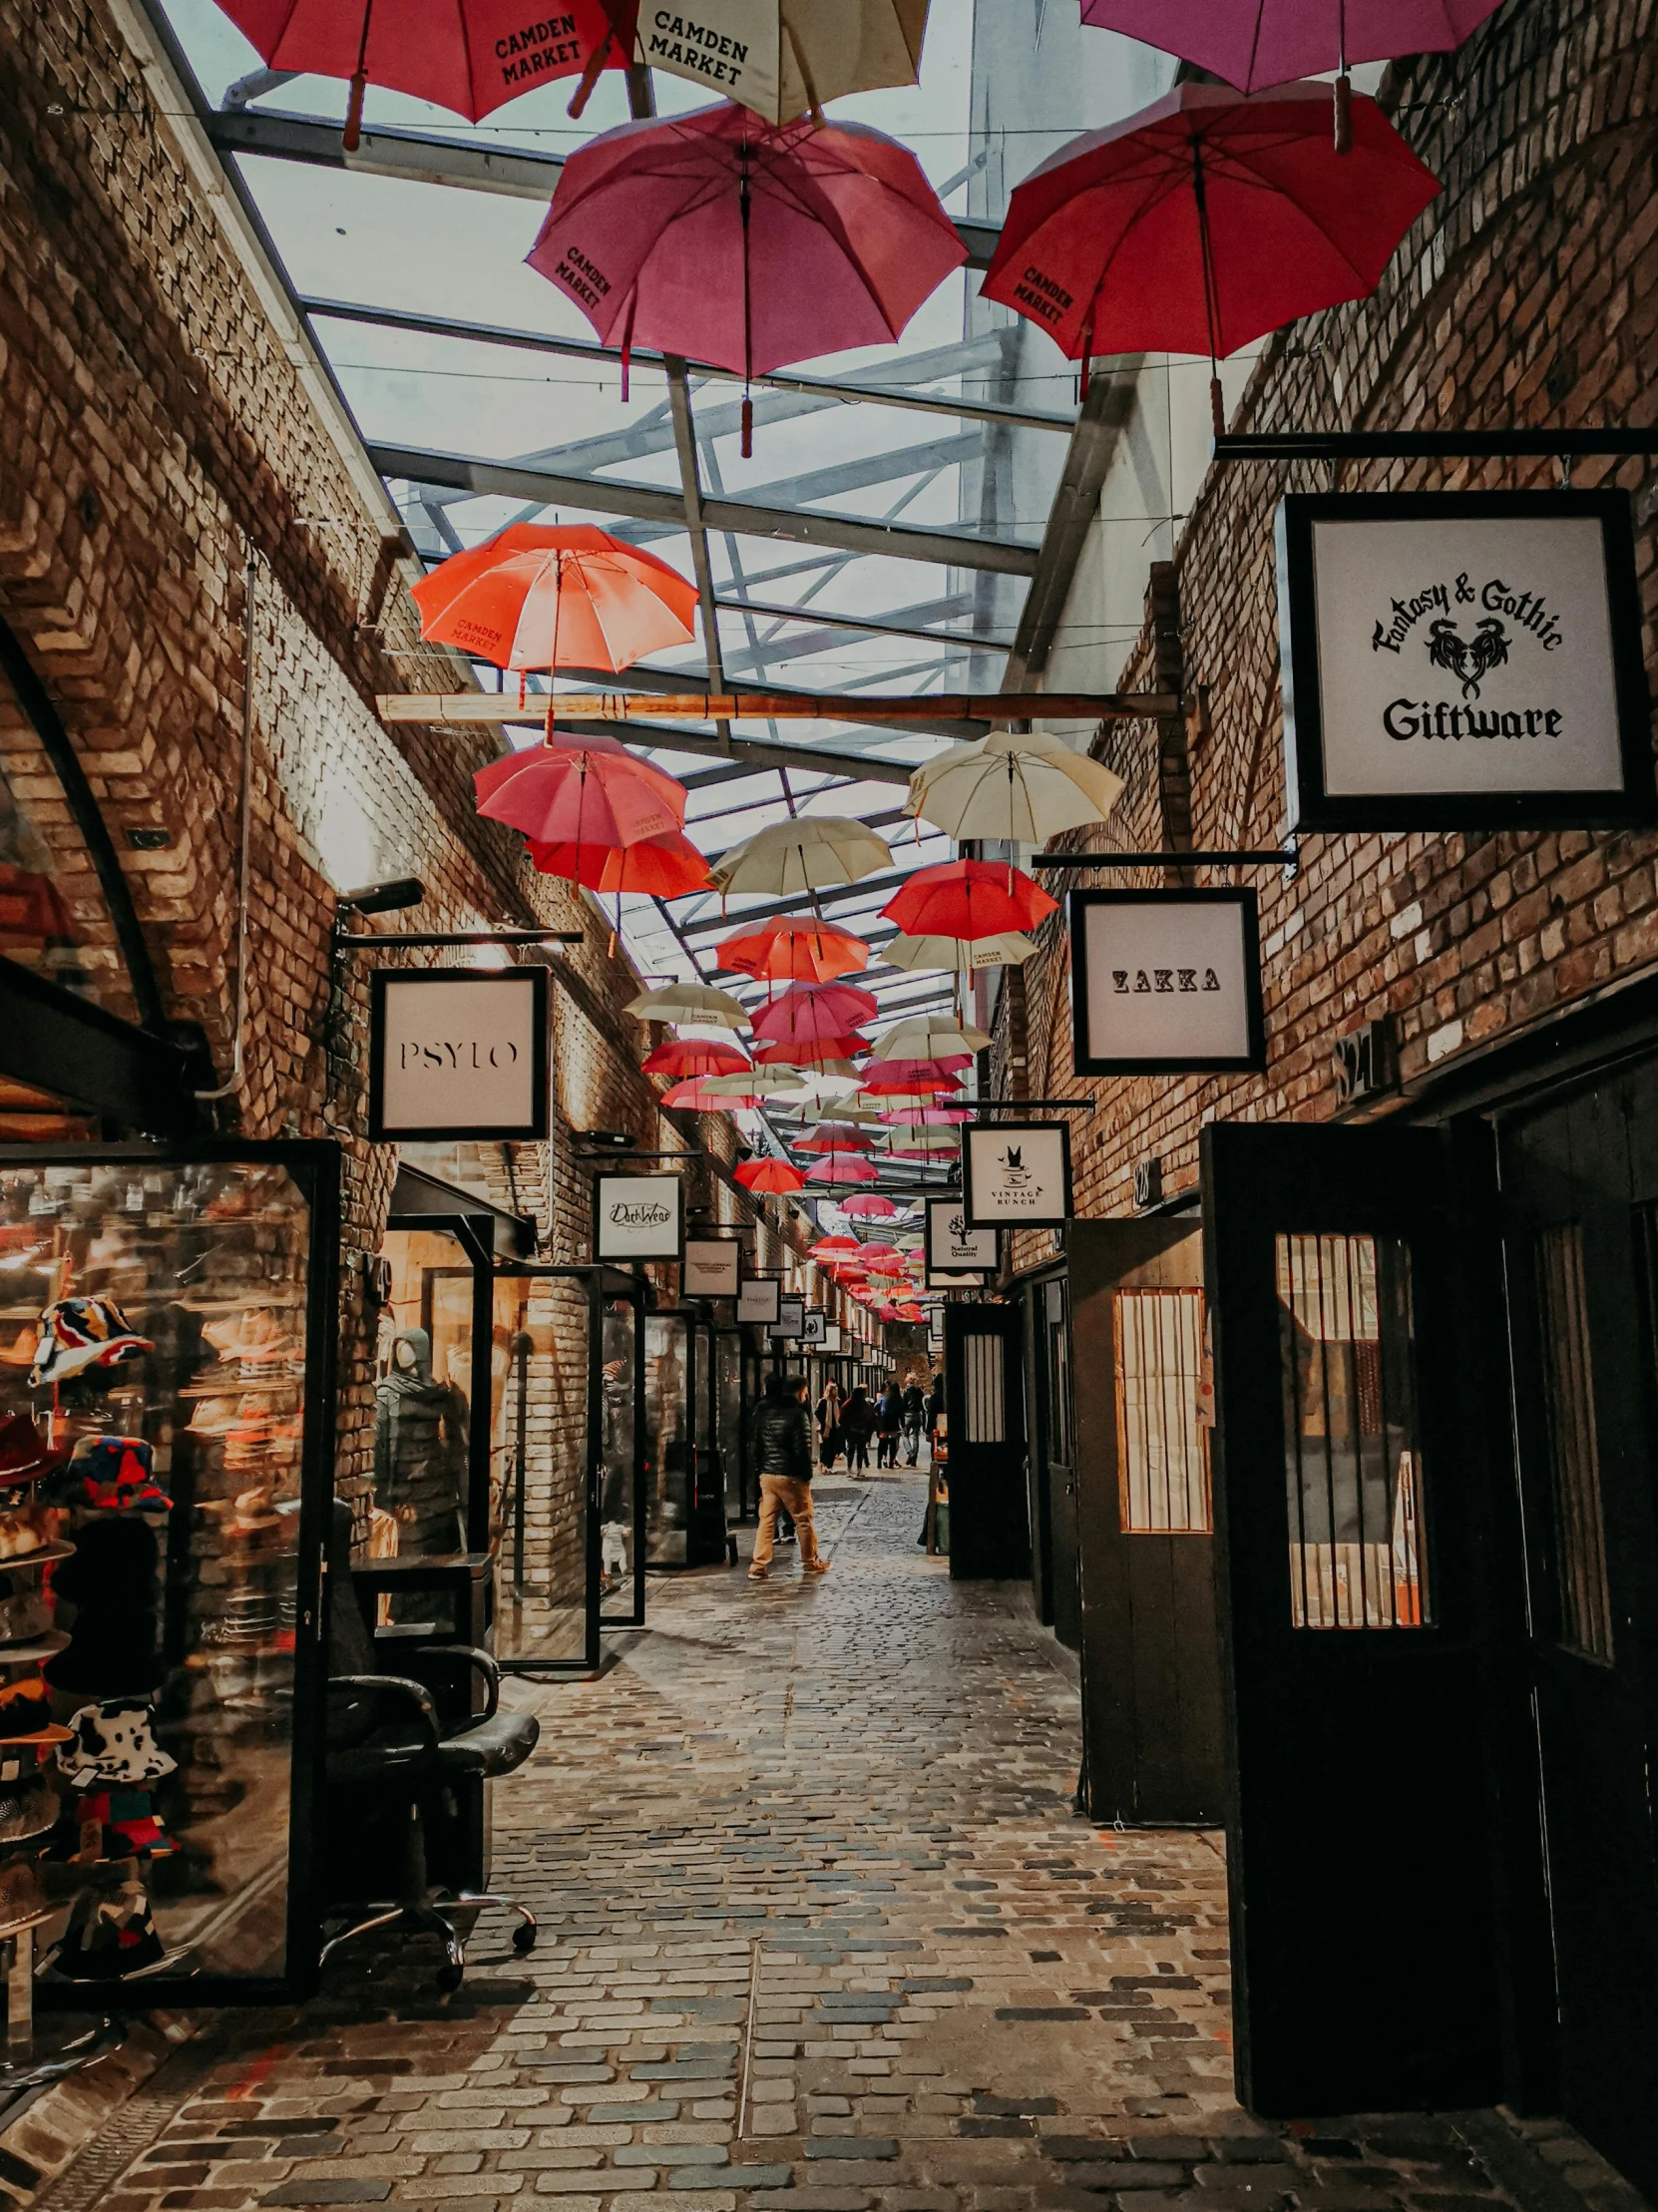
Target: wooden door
<point x="989" y="1529"/>
<point x="1150" y="1657"/>
<point x="1350" y="1515"/>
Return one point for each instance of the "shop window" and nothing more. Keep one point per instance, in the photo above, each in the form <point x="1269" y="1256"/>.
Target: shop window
<point x="1353" y="1449"/>
<point x="1056" y="1334"/>
<point x="984" y="1398"/>
<point x="1163" y="1446"/>
<point x="1585" y="1621"/>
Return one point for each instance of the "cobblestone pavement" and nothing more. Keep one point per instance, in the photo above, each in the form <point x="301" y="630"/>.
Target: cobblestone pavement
<point x="821" y="1935"/>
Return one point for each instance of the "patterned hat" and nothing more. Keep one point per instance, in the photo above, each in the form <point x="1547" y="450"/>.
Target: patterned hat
<point x="112" y="1474"/>
<point x="84" y="1332"/>
<point x="113" y="1742"/>
<point x="108" y="1937"/>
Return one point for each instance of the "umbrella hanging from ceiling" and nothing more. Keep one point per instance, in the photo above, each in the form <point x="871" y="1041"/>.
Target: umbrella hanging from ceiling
<point x="809" y="852"/>
<point x="666" y="867"/>
<point x="870" y="1205"/>
<point x="695" y="1055"/>
<point x="811" y="1010"/>
<point x="968" y="899"/>
<point x="841" y="1167"/>
<point x="786" y="58"/>
<point x="571" y="596"/>
<point x="694" y="1094"/>
<point x="590" y="792"/>
<point x="690" y="1002"/>
<point x="908" y="1078"/>
<point x="769" y="1176"/>
<point x="732" y="241"/>
<point x="1204" y="222"/>
<point x="756" y="1082"/>
<point x="818" y="1052"/>
<point x="1021" y="788"/>
<point x="957" y="956"/>
<point x="931" y="1037"/>
<point x="810" y="951"/>
<point x="835" y="1136"/>
<point x="931" y="1116"/>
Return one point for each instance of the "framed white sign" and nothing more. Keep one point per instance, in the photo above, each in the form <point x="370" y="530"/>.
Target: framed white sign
<point x="832" y="1337"/>
<point x="638" y="1217"/>
<point x="758" y="1298"/>
<point x="816" y="1330"/>
<point x="1015" y="1173"/>
<point x="458" y="1053"/>
<point x="952" y="1250"/>
<point x="1461" y="660"/>
<point x="791" y="1317"/>
<point x="1165" y="982"/>
<point x="712" y="1267"/>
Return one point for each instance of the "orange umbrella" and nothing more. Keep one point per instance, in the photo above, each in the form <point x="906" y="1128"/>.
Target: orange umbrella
<point x="573" y="597"/>
<point x="810" y="951"/>
<point x="695" y="1055"/>
<point x="665" y="867"/>
<point x="769" y="1175"/>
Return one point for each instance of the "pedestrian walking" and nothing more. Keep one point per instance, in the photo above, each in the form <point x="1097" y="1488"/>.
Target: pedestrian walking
<point x="889" y="1416"/>
<point x="780" y="1443"/>
<point x="831" y="1443"/>
<point x="915" y="1419"/>
<point x="858" y="1426"/>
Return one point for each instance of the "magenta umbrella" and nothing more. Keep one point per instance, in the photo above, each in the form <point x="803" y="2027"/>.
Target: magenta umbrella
<point x="745" y="244"/>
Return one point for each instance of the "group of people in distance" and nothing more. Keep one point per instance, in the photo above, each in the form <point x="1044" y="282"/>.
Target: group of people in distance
<point x="901" y="1413"/>
<point x="780" y="1450"/>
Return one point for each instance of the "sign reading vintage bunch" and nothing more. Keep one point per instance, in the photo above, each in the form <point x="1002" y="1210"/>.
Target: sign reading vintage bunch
<point x="1015" y="1173"/>
<point x="638" y="1217"/>
<point x="1164" y="982"/>
<point x="1461" y="660"/>
<point x="458" y="1053"/>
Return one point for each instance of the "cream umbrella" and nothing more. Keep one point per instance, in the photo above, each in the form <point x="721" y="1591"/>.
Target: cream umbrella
<point x="805" y="853"/>
<point x="690" y="1002"/>
<point x="786" y="58"/>
<point x="1024" y="788"/>
<point x="958" y="956"/>
<point x="930" y="1036"/>
<point x="753" y="1083"/>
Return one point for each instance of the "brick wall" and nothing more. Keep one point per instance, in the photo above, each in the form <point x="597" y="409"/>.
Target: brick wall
<point x="1527" y="293"/>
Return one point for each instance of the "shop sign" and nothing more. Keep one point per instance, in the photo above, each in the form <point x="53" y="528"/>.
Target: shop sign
<point x="954" y="1252"/>
<point x="758" y="1298"/>
<point x="817" y="1326"/>
<point x="1164" y="982"/>
<point x="832" y="1336"/>
<point x="458" y="1053"/>
<point x="1461" y="660"/>
<point x="791" y="1317"/>
<point x="711" y="1268"/>
<point x="638" y="1217"/>
<point x="1015" y="1173"/>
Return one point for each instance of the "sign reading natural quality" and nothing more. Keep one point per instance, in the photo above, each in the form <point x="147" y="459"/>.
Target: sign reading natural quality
<point x="1461" y="660"/>
<point x="1164" y="982"/>
<point x="1015" y="1173"/>
<point x="458" y="1053"/>
<point x="952" y="1248"/>
<point x="712" y="1267"/>
<point x="638" y="1218"/>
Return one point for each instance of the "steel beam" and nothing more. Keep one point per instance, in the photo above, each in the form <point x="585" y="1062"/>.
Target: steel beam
<point x="815" y="619"/>
<point x="757" y="750"/>
<point x="690" y="485"/>
<point x="1105" y="413"/>
<point x="749" y="518"/>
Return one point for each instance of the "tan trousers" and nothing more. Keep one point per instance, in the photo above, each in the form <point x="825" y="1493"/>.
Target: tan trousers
<point x="785" y="1492"/>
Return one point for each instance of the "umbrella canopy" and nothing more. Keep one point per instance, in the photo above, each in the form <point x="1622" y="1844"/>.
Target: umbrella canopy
<point x="922" y="1144"/>
<point x="833" y="1246"/>
<point x="937" y="1037"/>
<point x="1022" y="788"/>
<point x="841" y="1167"/>
<point x="469" y="55"/>
<point x="970" y="899"/>
<point x="957" y="956"/>
<point x="592" y="793"/>
<point x="665" y="867"/>
<point x="928" y="1117"/>
<point x="769" y="1175"/>
<point x="811" y="952"/>
<point x="1204" y="222"/>
<point x="694" y="1055"/>
<point x="835" y="1136"/>
<point x="870" y="1206"/>
<point x="875" y="1251"/>
<point x="735" y="241"/>
<point x="695" y="1094"/>
<point x="821" y="1052"/>
<point x="787" y="56"/>
<point x="690" y="1002"/>
<point x="908" y="1078"/>
<point x="806" y="853"/>
<point x="811" y="1010"/>
<point x="1253" y="43"/>
<point x="573" y="597"/>
<point x="755" y="1083"/>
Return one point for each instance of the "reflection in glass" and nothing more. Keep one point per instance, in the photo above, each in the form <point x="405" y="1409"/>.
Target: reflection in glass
<point x="539" y="1456"/>
<point x="616" y="1471"/>
<point x="668" y="1439"/>
<point x="1354" y="1463"/>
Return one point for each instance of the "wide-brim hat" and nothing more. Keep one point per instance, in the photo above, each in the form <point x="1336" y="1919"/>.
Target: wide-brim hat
<point x="25" y="1454"/>
<point x="78" y="1333"/>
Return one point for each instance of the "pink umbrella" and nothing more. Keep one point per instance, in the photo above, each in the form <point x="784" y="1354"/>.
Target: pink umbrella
<point x="834" y="1136"/>
<point x="745" y="244"/>
<point x="592" y="791"/>
<point x="821" y="1052"/>
<point x="926" y="1116"/>
<point x="808" y="1011"/>
<point x="841" y="1167"/>
<point x="907" y="1076"/>
<point x="869" y="1205"/>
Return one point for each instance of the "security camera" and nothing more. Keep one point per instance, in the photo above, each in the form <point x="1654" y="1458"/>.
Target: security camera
<point x="383" y="898"/>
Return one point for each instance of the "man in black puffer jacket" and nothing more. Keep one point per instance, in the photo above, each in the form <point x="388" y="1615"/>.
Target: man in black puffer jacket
<point x="780" y="1447"/>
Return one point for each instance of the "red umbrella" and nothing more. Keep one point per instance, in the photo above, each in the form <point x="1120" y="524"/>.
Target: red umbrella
<point x="812" y="1010"/>
<point x="1253" y="43"/>
<point x="590" y="792"/>
<point x="926" y="1117"/>
<point x="1204" y="222"/>
<point x="573" y="597"/>
<point x="663" y="867"/>
<point x="778" y="950"/>
<point x="743" y="243"/>
<point x="906" y="1078"/>
<point x="836" y="1248"/>
<point x="869" y="1206"/>
<point x="695" y="1055"/>
<point x="968" y="899"/>
<point x="834" y="1136"/>
<point x="691" y="1095"/>
<point x="875" y="1251"/>
<point x="911" y="1313"/>
<point x="841" y="1167"/>
<point x="765" y="1175"/>
<point x="469" y="55"/>
<point x="802" y="1053"/>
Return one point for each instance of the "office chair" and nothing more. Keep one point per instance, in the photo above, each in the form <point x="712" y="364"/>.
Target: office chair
<point x="387" y="1754"/>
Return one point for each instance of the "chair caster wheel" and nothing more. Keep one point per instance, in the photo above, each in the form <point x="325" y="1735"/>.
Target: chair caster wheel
<point x="524" y="1940"/>
<point x="450" y="1979"/>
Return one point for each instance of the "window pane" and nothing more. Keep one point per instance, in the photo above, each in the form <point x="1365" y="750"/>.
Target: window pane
<point x="984" y="1414"/>
<point x="1353" y="1447"/>
<point x="1574" y="1449"/>
<point x="1163" y="1446"/>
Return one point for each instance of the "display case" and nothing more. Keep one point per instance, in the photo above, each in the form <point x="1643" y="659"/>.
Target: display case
<point x="684" y="1500"/>
<point x="167" y="1322"/>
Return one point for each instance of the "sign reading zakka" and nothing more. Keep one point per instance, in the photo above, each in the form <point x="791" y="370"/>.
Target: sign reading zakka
<point x="458" y="1053"/>
<point x="638" y="1217"/>
<point x="1461" y="660"/>
<point x="712" y="1267"/>
<point x="952" y="1249"/>
<point x="1164" y="982"/>
<point x="1015" y="1173"/>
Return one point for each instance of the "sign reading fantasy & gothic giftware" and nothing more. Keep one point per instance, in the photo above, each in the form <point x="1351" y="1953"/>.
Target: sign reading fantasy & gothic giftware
<point x="1461" y="660"/>
<point x="458" y="1053"/>
<point x="1015" y="1173"/>
<point x="638" y="1217"/>
<point x="1164" y="982"/>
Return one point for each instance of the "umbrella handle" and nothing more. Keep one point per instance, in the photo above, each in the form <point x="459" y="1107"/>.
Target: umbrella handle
<point x="351" y="137"/>
<point x="593" y="71"/>
<point x="1217" y="407"/>
<point x="1344" y="114"/>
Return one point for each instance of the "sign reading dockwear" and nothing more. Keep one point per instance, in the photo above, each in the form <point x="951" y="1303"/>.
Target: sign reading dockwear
<point x="953" y="1249"/>
<point x="638" y="1218"/>
<point x="1461" y="660"/>
<point x="457" y="1052"/>
<point x="1164" y="982"/>
<point x="1018" y="1173"/>
<point x="712" y="1267"/>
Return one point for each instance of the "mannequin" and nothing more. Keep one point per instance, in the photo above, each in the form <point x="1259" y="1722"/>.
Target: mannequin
<point x="420" y="1448"/>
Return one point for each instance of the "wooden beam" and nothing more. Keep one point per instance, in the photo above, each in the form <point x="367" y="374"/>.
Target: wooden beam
<point x="785" y="706"/>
